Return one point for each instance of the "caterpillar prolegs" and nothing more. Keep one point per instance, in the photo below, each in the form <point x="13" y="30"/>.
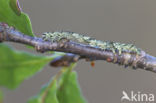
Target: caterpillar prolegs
<point x="115" y="47"/>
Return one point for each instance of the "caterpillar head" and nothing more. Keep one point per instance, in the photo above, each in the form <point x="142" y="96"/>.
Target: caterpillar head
<point x="56" y="36"/>
<point x="53" y="37"/>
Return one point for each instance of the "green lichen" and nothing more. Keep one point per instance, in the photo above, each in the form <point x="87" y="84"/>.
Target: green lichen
<point x="114" y="47"/>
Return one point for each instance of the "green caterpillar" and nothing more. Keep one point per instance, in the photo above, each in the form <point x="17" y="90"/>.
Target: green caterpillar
<point x="114" y="47"/>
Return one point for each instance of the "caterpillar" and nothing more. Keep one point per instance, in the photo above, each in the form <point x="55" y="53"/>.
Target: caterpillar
<point x="114" y="47"/>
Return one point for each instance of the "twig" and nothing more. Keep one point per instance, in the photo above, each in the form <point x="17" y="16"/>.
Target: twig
<point x="143" y="60"/>
<point x="64" y="61"/>
<point x="56" y="77"/>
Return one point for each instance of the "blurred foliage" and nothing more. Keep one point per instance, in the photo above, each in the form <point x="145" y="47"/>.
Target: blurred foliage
<point x="1" y="96"/>
<point x="62" y="89"/>
<point x="11" y="14"/>
<point x="46" y="95"/>
<point x="17" y="66"/>
<point x="69" y="90"/>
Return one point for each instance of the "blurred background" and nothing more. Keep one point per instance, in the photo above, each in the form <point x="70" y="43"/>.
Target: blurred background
<point x="127" y="21"/>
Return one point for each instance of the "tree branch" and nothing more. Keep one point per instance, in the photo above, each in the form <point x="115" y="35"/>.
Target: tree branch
<point x="143" y="60"/>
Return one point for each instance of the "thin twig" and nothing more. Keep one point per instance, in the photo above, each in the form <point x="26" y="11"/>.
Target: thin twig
<point x="56" y="77"/>
<point x="143" y="60"/>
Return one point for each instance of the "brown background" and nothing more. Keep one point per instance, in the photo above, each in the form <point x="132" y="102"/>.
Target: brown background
<point x="128" y="21"/>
